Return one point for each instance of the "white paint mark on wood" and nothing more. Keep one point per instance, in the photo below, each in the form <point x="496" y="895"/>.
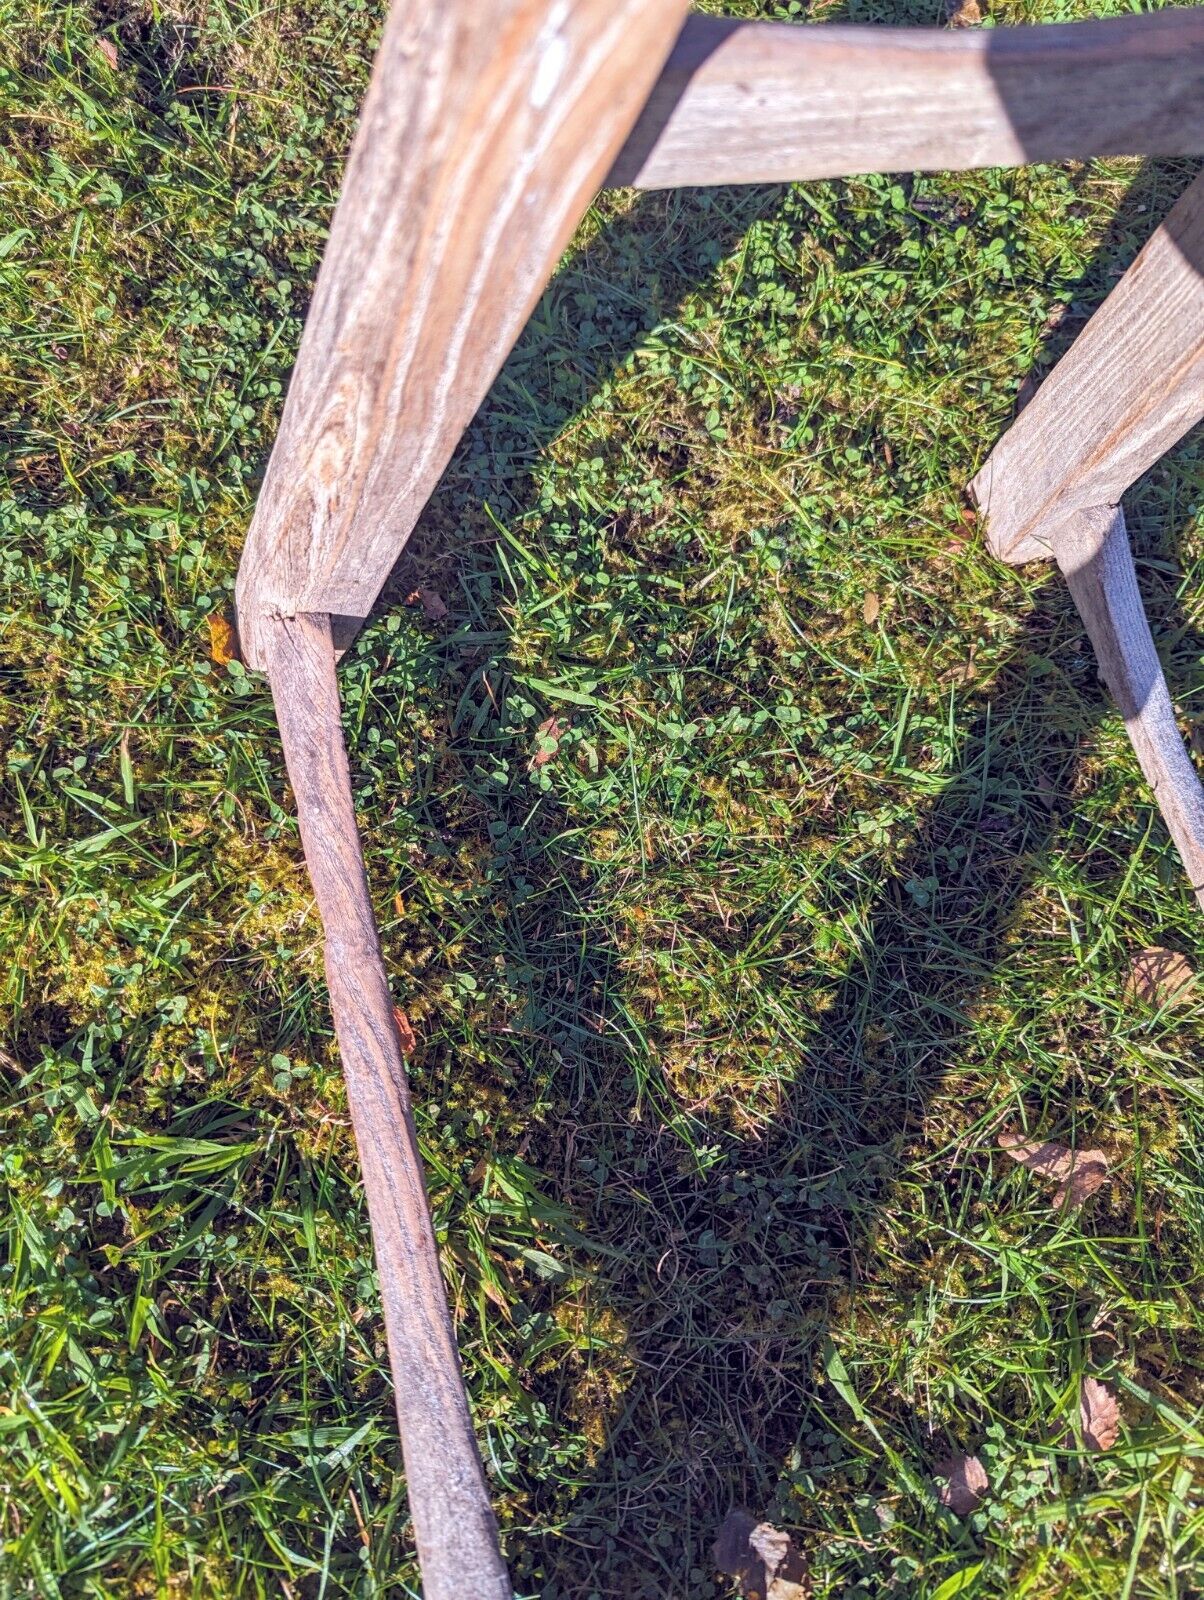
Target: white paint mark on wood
<point x="552" y="51"/>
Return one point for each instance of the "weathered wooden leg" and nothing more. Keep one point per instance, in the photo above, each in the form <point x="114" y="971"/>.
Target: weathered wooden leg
<point x="1130" y="386"/>
<point x="484" y="135"/>
<point x="453" y="1523"/>
<point x="1093" y="553"/>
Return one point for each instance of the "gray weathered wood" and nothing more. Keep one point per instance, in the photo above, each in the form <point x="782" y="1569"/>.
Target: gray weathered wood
<point x="761" y="102"/>
<point x="1093" y="553"/>
<point x="485" y="133"/>
<point x="1130" y="386"/>
<point x="453" y="1522"/>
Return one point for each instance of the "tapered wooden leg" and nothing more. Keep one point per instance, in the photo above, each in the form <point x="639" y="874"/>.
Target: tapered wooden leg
<point x="1130" y="386"/>
<point x="486" y="131"/>
<point x="1094" y="556"/>
<point x="484" y="135"/>
<point x="453" y="1522"/>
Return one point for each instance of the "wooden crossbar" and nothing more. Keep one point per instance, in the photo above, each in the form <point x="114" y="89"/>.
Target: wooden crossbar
<point x="765" y="102"/>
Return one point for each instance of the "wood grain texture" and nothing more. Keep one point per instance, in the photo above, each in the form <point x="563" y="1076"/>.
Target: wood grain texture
<point x="762" y="102"/>
<point x="453" y="1523"/>
<point x="1130" y="386"/>
<point x="485" y="133"/>
<point x="1094" y="555"/>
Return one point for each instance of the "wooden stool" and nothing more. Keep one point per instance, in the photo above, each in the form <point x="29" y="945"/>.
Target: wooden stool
<point x="485" y="134"/>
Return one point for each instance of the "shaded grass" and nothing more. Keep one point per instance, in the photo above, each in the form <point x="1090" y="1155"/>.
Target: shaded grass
<point x="719" y="1010"/>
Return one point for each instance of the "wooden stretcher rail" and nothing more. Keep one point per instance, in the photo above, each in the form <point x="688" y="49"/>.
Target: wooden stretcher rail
<point x="765" y="102"/>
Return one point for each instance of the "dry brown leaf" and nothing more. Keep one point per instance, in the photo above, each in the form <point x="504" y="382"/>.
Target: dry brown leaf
<point x="109" y="51"/>
<point x="1046" y="792"/>
<point x="406" y="1037"/>
<point x="431" y="601"/>
<point x="1077" y="1173"/>
<point x="870" y="608"/>
<point x="1099" y="1413"/>
<point x="762" y="1559"/>
<point x="1159" y="977"/>
<point x="963" y="13"/>
<point x="550" y="734"/>
<point x="223" y="640"/>
<point x="963" y="1483"/>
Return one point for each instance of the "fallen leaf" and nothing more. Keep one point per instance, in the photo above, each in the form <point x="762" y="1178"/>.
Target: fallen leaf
<point x="549" y="735"/>
<point x="431" y="602"/>
<point x="223" y="640"/>
<point x="109" y="51"/>
<point x="1159" y="977"/>
<point x="1046" y="792"/>
<point x="964" y="1482"/>
<point x="762" y="1559"/>
<point x="406" y="1036"/>
<point x="1078" y="1173"/>
<point x="992" y="822"/>
<point x="963" y="13"/>
<point x="1099" y="1414"/>
<point x="870" y="608"/>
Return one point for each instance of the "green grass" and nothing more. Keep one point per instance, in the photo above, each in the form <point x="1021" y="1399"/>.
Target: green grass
<point x="719" y="1010"/>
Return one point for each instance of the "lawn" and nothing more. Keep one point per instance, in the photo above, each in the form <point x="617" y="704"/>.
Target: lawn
<point x="750" y="851"/>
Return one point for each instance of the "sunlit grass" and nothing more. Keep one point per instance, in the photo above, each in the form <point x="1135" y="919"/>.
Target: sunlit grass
<point x="719" y="1010"/>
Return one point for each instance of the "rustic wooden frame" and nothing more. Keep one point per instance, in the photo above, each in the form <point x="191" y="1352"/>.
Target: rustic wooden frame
<point x="480" y="144"/>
